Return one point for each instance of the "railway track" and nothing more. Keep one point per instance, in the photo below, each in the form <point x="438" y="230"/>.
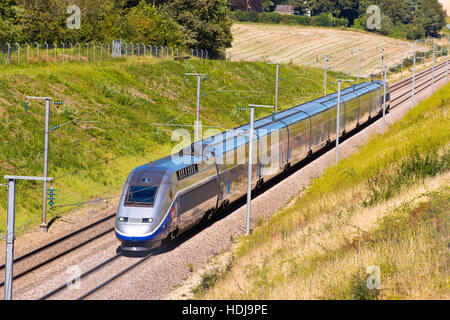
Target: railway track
<point x="100" y="228"/>
<point x="419" y="76"/>
<point x="59" y="248"/>
<point x="420" y="85"/>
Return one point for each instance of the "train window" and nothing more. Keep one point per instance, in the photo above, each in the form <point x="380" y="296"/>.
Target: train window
<point x="187" y="172"/>
<point x="141" y="196"/>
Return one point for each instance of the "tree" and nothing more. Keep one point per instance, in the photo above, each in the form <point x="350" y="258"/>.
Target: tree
<point x="10" y="30"/>
<point x="248" y="5"/>
<point x="205" y="24"/>
<point x="256" y="5"/>
<point x="431" y="16"/>
<point x="268" y="5"/>
<point x="146" y="25"/>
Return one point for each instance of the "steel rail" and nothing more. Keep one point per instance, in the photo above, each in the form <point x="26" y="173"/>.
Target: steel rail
<point x="428" y="84"/>
<point x="59" y="255"/>
<point x="417" y="85"/>
<point x="119" y="274"/>
<point x="68" y="236"/>
<point x="419" y="75"/>
<point x="83" y="275"/>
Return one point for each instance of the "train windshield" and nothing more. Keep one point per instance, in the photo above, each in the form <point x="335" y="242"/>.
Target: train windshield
<point x="141" y="196"/>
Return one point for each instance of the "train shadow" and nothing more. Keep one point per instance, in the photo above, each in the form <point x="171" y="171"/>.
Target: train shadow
<point x="169" y="245"/>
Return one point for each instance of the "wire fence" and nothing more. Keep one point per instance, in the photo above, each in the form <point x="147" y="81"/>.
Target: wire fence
<point x="33" y="52"/>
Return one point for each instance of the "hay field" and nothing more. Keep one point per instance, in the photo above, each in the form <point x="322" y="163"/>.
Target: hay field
<point x="307" y="45"/>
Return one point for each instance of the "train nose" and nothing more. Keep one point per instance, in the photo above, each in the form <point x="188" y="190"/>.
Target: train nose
<point x="135" y="224"/>
<point x="138" y="230"/>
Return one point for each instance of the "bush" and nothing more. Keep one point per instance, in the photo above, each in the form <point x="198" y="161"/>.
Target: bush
<point x="415" y="32"/>
<point x="327" y="20"/>
<point x="270" y="17"/>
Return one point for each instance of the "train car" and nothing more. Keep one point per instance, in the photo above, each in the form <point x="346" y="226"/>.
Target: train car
<point x="164" y="198"/>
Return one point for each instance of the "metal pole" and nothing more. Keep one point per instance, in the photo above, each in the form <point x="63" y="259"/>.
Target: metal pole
<point x="359" y="62"/>
<point x="276" y="88"/>
<point x="415" y="48"/>
<point x="44" y="190"/>
<point x="402" y="58"/>
<point x="250" y="166"/>
<point x="18" y="53"/>
<point x="325" y="76"/>
<point x="338" y="121"/>
<point x="10" y="239"/>
<point x="384" y="98"/>
<point x="10" y="228"/>
<point x="432" y="73"/>
<point x="197" y="122"/>
<point x="425" y="55"/>
<point x="413" y="83"/>
<point x="447" y="64"/>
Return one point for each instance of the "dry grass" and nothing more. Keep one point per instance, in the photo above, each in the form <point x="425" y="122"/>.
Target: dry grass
<point x="323" y="258"/>
<point x="301" y="46"/>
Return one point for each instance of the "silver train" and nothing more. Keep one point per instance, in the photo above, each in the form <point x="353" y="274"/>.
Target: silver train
<point x="164" y="198"/>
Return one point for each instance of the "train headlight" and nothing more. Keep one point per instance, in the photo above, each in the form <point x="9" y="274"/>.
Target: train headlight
<point x="123" y="219"/>
<point x="147" y="220"/>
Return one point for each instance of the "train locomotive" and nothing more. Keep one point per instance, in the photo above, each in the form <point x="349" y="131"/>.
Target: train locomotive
<point x="166" y="197"/>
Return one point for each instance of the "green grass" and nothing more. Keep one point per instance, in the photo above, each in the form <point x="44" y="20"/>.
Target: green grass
<point x="132" y="95"/>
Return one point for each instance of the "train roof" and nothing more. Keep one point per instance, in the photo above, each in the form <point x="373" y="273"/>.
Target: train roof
<point x="286" y="117"/>
<point x="236" y="137"/>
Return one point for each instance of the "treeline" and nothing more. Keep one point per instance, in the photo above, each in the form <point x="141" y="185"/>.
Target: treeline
<point x="321" y="20"/>
<point x="201" y="24"/>
<point x="411" y="19"/>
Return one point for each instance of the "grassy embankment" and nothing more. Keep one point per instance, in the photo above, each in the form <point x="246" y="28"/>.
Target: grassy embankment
<point x="387" y="206"/>
<point x="138" y="92"/>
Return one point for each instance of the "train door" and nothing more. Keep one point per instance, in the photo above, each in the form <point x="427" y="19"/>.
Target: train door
<point x="284" y="146"/>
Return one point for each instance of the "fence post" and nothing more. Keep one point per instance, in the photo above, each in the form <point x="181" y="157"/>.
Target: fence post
<point x="37" y="46"/>
<point x="18" y="53"/>
<point x="9" y="49"/>
<point x="46" y="46"/>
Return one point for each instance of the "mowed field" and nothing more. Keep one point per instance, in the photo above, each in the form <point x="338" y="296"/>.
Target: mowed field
<point x="307" y="45"/>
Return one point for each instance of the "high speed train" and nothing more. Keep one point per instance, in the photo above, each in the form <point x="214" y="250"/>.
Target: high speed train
<point x="166" y="197"/>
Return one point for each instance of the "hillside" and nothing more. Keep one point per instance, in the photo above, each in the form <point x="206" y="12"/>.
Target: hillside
<point x="92" y="159"/>
<point x="383" y="208"/>
<point x="302" y="45"/>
